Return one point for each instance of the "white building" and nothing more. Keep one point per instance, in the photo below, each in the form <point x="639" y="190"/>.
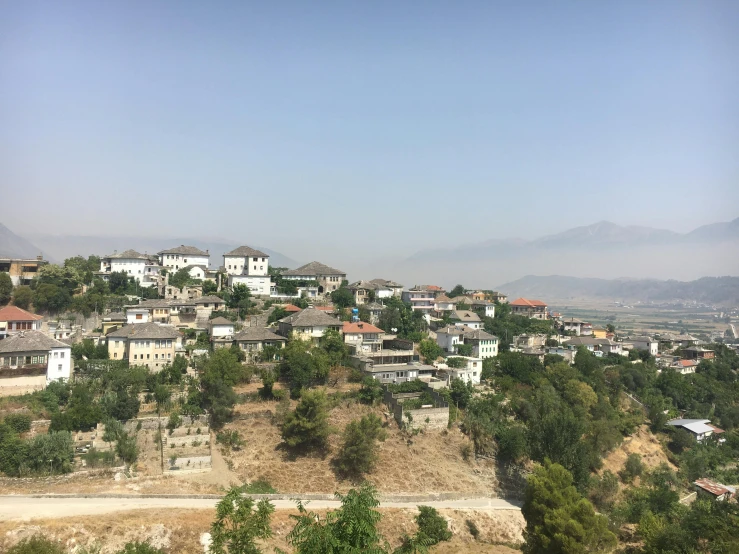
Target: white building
<point x="249" y="267"/>
<point x="469" y="374"/>
<point x="309" y="324"/>
<point x="221" y="327"/>
<point x="466" y="318"/>
<point x="645" y="343"/>
<point x="484" y="345"/>
<point x="145" y="269"/>
<point x="137" y="315"/>
<point x="44" y="359"/>
<point x="182" y="256"/>
<point x="449" y="337"/>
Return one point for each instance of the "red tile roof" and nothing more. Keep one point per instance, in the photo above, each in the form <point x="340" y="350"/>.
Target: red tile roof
<point x="325" y="308"/>
<point x="688" y="363"/>
<point x="715" y="429"/>
<point x="291" y="308"/>
<point x="529" y="303"/>
<point x="360" y="327"/>
<point x="13" y="313"/>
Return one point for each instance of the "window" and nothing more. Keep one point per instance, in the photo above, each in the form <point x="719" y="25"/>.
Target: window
<point x="169" y="356"/>
<point x="135" y="356"/>
<point x="148" y="344"/>
<point x="56" y="354"/>
<point x="255" y="259"/>
<point x="139" y="316"/>
<point x="169" y="344"/>
<point x="60" y="367"/>
<point x="115" y="354"/>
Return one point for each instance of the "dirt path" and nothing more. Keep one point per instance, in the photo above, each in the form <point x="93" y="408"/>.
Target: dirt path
<point x="26" y="508"/>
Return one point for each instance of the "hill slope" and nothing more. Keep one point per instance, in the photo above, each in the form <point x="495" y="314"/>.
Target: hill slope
<point x="13" y="246"/>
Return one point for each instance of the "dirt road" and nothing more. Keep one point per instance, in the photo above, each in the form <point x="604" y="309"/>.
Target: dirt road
<point x="25" y="508"/>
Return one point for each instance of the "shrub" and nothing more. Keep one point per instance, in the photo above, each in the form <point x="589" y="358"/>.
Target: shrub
<point x="307" y="427"/>
<point x="358" y="453"/>
<point x="20" y="423"/>
<point x="472" y="528"/>
<point x="432" y="525"/>
<point x="466" y="451"/>
<point x="260" y="486"/>
<point x="632" y="469"/>
<point x="37" y="544"/>
<point x="137" y="547"/>
<point x="174" y="421"/>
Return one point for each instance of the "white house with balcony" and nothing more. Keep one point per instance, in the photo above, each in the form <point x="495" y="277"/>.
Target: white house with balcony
<point x="33" y="359"/>
<point x="470" y="373"/>
<point x="247" y="266"/>
<point x="182" y="256"/>
<point x="142" y="267"/>
<point x="363" y="337"/>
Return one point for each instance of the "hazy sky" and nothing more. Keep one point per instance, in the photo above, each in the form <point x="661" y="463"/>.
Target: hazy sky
<point x="320" y="126"/>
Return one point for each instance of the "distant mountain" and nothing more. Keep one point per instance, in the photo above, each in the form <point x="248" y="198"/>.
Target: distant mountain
<point x="716" y="231"/>
<point x="62" y="247"/>
<point x="13" y="246"/>
<point x="559" y="288"/>
<point x="604" y="233"/>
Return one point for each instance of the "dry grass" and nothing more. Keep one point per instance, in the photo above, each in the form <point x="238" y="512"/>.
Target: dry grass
<point x="426" y="463"/>
<point x="180" y="531"/>
<point x="644" y="443"/>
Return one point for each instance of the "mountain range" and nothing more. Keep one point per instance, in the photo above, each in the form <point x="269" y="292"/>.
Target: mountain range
<point x="560" y="288"/>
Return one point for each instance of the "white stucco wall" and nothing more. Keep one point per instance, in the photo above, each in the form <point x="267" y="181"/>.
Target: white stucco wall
<point x="59" y="365"/>
<point x="221" y="330"/>
<point x="257" y="285"/>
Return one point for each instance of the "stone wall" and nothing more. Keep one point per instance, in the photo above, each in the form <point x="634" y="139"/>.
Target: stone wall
<point x="438" y="416"/>
<point x="428" y="418"/>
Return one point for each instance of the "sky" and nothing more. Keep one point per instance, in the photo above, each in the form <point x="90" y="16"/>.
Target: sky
<point x="366" y="128"/>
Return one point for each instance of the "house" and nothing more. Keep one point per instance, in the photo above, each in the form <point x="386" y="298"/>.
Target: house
<point x="645" y="343"/>
<point x="328" y="278"/>
<point x="443" y="303"/>
<point x="450" y="337"/>
<point x="395" y="288"/>
<point x="602" y="347"/>
<point x="698" y="353"/>
<point x="701" y="429"/>
<point x="221" y="332"/>
<point x="137" y="315"/>
<point x="393" y="351"/>
<point x="247" y="266"/>
<point x="572" y="324"/>
<point x="30" y="359"/>
<point x="498" y="297"/>
<point x="143" y="268"/>
<point x="715" y="491"/>
<point x="309" y="324"/>
<point x="374" y="309"/>
<point x="483" y="307"/>
<point x="13" y="320"/>
<point x="400" y="373"/>
<point x="291" y="308"/>
<point x="22" y="270"/>
<point x="188" y="292"/>
<point x="685" y="367"/>
<point x="363" y="337"/>
<point x="470" y="373"/>
<point x="671" y="339"/>
<point x="535" y="309"/>
<point x="477" y="295"/>
<point x="466" y="318"/>
<point x="420" y="299"/>
<point x="113" y="321"/>
<point x="253" y="340"/>
<point x="484" y="345"/>
<point x="366" y="291"/>
<point x="210" y="303"/>
<point x="182" y="256"/>
<point x="149" y="344"/>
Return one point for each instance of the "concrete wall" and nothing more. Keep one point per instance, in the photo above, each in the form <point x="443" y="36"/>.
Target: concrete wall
<point x="438" y="418"/>
<point x="12" y="386"/>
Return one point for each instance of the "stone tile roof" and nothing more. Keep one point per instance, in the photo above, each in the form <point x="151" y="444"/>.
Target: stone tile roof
<point x="478" y="334"/>
<point x="257" y="334"/>
<point x="14" y="313"/>
<point x="209" y="300"/>
<point x="465" y="315"/>
<point x="29" y="341"/>
<point x="186" y="250"/>
<point x="246" y="251"/>
<point x="145" y="331"/>
<point x="115" y="316"/>
<point x="311" y="317"/>
<point x="314" y="269"/>
<point x="128" y="255"/>
<point x="221" y="321"/>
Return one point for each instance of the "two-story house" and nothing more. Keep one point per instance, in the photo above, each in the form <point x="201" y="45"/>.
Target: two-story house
<point x="149" y="344"/>
<point x="363" y="337"/>
<point x="308" y="324"/>
<point x="328" y="278"/>
<point x="142" y="267"/>
<point x="183" y="256"/>
<point x="221" y="332"/>
<point x="645" y="343"/>
<point x="22" y="270"/>
<point x="534" y="309"/>
<point x="396" y="289"/>
<point x="484" y="345"/>
<point x="421" y="299"/>
<point x="14" y="320"/>
<point x="253" y="340"/>
<point x="466" y="318"/>
<point x="470" y="373"/>
<point x="31" y="359"/>
<point x="250" y="267"/>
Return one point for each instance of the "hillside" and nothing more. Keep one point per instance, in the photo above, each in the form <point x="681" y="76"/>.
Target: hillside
<point x="718" y="290"/>
<point x="14" y="246"/>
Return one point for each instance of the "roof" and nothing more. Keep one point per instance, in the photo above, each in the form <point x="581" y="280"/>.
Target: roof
<point x="444" y="298"/>
<point x="14" y="313"/>
<point x="465" y="315"/>
<point x="29" y="341"/>
<point x="451" y="330"/>
<point x="387" y="283"/>
<point x="716" y="429"/>
<point x="478" y="334"/>
<point x="642" y="339"/>
<point x="145" y="331"/>
<point x="368" y="285"/>
<point x="681" y="422"/>
<point x="314" y="269"/>
<point x="291" y="308"/>
<point x="187" y="250"/>
<point x="246" y="251"/>
<point x="114" y="316"/>
<point x="128" y="254"/>
<point x="311" y="317"/>
<point x="697" y="349"/>
<point x="686" y="363"/>
<point x="361" y="327"/>
<point x="221" y="321"/>
<point x="528" y="303"/>
<point x="588" y="341"/>
<point x="209" y="299"/>
<point x="716" y="489"/>
<point x="697" y="426"/>
<point x="572" y="320"/>
<point x="256" y="334"/>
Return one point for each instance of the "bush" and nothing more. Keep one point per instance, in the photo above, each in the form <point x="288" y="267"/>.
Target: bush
<point x="472" y="528"/>
<point x="137" y="547"/>
<point x="174" y="421"/>
<point x="466" y="451"/>
<point x="632" y="469"/>
<point x="95" y="458"/>
<point x="230" y="439"/>
<point x="603" y="491"/>
<point x="260" y="486"/>
<point x="358" y="453"/>
<point x="432" y="526"/>
<point x="20" y="423"/>
<point x="307" y="427"/>
<point x="37" y="544"/>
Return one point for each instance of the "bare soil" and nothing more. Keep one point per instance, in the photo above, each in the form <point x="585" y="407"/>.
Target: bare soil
<point x="644" y="443"/>
<point x="181" y="531"/>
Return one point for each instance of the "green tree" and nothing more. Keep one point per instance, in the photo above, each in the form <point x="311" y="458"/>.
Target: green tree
<point x="432" y="526"/>
<point x="342" y="298"/>
<point x="458" y="290"/>
<point x="359" y="450"/>
<point x="268" y="382"/>
<point x="460" y="392"/>
<point x="239" y="523"/>
<point x="558" y="519"/>
<point x="209" y="287"/>
<point x="632" y="468"/>
<point x="350" y="529"/>
<point x="464" y="349"/>
<point x="180" y="278"/>
<point x="307" y="426"/>
<point x="119" y="282"/>
<point x="22" y="296"/>
<point x="429" y="350"/>
<point x="371" y="391"/>
<point x="51" y="298"/>
<point x="456" y="363"/>
<point x="338" y="351"/>
<point x="6" y="288"/>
